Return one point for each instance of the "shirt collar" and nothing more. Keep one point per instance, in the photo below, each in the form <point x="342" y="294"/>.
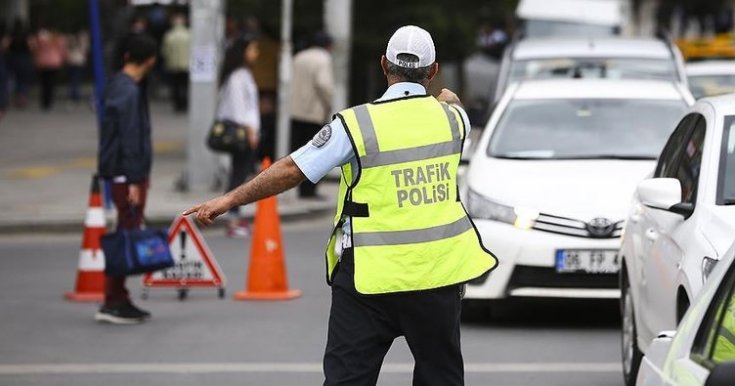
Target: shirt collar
<point x="402" y="90"/>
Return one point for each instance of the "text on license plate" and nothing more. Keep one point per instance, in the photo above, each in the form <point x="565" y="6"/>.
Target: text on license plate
<point x="587" y="260"/>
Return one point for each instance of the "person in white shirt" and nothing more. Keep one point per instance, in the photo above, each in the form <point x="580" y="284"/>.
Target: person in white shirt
<point x="310" y="99"/>
<point x="238" y="102"/>
<point x="176" y="53"/>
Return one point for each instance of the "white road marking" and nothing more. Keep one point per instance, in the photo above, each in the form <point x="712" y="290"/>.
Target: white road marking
<point x="252" y="367"/>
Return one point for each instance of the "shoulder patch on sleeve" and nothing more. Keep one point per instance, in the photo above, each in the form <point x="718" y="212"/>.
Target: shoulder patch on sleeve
<point x="322" y="137"/>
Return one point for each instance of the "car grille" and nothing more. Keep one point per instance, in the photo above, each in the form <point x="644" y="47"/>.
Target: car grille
<point x="527" y="276"/>
<point x="598" y="228"/>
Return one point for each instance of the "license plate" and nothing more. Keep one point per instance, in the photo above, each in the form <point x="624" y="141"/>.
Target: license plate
<point x="587" y="260"/>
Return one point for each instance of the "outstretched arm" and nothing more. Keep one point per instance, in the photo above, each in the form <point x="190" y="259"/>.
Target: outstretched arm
<point x="450" y="97"/>
<point x="281" y="176"/>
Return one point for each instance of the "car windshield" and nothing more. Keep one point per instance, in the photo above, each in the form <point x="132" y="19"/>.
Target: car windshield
<point x="546" y="28"/>
<point x="585" y="129"/>
<point x="632" y="68"/>
<point x="727" y="166"/>
<point x="711" y="85"/>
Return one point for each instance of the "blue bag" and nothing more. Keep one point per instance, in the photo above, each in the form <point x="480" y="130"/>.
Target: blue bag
<point x="136" y="251"/>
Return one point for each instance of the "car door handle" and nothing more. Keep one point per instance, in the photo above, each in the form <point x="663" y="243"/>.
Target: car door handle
<point x="651" y="234"/>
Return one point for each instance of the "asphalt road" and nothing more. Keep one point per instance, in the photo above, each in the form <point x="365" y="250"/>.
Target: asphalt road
<point x="45" y="340"/>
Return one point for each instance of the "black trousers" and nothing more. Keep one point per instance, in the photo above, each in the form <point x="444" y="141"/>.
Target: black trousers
<point x="48" y="85"/>
<point x="179" y="81"/>
<point x="243" y="166"/>
<point x="362" y="329"/>
<point x="301" y="133"/>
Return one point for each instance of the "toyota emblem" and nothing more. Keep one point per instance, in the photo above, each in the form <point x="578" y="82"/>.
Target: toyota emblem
<point x="600" y="227"/>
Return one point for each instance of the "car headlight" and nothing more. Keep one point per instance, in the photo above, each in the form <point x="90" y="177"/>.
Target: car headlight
<point x="708" y="265"/>
<point x="481" y="207"/>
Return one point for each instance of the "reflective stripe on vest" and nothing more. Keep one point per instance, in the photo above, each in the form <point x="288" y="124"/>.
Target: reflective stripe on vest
<point x="452" y="122"/>
<point x="438" y="232"/>
<point x="413" y="233"/>
<point x="368" y="130"/>
<point x="377" y="158"/>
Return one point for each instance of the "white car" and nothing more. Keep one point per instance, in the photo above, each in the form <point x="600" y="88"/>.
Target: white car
<point x="614" y="58"/>
<point x="702" y="351"/>
<point x="711" y="78"/>
<point x="549" y="183"/>
<point x="681" y="221"/>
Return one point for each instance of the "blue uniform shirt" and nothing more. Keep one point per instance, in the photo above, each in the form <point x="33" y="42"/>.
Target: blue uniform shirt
<point x="335" y="150"/>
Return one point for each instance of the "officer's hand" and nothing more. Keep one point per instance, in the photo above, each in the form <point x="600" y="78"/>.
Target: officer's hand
<point x="210" y="210"/>
<point x="449" y="97"/>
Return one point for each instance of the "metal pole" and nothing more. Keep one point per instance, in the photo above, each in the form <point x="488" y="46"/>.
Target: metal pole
<point x="283" y="135"/>
<point x="17" y="9"/>
<point x="207" y="35"/>
<point x="338" y="20"/>
<point x="98" y="61"/>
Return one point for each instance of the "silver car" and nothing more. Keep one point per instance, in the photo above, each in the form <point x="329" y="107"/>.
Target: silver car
<point x="613" y="58"/>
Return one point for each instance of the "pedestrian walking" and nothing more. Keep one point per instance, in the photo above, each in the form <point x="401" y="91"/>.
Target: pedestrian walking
<point x="176" y="60"/>
<point x="310" y="99"/>
<point x="238" y="103"/>
<point x="402" y="244"/>
<point x="76" y="59"/>
<point x="49" y="52"/>
<point x="125" y="157"/>
<point x="20" y="62"/>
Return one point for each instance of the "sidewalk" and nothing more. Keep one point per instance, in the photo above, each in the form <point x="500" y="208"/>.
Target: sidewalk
<point x="47" y="160"/>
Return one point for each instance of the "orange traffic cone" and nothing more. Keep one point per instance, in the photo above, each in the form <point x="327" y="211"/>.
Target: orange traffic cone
<point x="90" y="285"/>
<point x="267" y="270"/>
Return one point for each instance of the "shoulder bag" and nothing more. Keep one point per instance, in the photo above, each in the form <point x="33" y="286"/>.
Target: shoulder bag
<point x="228" y="137"/>
<point x="136" y="251"/>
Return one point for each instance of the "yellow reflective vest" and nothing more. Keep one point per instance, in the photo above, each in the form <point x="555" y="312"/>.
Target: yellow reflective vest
<point x="724" y="350"/>
<point x="410" y="231"/>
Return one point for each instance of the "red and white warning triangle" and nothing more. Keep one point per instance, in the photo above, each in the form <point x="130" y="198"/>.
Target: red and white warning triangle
<point x="194" y="266"/>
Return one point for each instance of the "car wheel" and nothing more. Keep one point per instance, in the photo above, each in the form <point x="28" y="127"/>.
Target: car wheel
<point x="632" y="355"/>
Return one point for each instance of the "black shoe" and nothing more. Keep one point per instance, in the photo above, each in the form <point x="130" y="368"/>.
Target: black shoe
<point x="142" y="313"/>
<point x="118" y="315"/>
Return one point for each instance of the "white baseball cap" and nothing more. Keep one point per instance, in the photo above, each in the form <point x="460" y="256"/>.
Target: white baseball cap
<point x="412" y="40"/>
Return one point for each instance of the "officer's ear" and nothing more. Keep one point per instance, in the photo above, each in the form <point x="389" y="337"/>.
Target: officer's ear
<point x="384" y="64"/>
<point x="433" y="70"/>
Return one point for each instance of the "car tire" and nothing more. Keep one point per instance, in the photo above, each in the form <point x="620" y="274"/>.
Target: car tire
<point x="631" y="354"/>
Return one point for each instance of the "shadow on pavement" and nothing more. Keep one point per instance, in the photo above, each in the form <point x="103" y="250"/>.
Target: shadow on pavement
<point x="542" y="313"/>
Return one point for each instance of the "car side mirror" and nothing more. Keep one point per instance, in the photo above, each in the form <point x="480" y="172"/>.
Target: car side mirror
<point x="722" y="375"/>
<point x="664" y="194"/>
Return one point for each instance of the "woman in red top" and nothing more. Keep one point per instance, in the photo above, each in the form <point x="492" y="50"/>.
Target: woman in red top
<point x="49" y="51"/>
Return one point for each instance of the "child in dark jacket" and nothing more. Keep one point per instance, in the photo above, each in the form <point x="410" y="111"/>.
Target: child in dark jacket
<point x="125" y="156"/>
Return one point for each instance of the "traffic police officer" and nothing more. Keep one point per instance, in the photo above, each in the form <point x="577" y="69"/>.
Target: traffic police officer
<point x="402" y="244"/>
